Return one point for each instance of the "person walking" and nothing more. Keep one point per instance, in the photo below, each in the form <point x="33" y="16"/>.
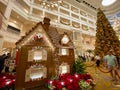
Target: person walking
<point x="97" y="59"/>
<point x="111" y="63"/>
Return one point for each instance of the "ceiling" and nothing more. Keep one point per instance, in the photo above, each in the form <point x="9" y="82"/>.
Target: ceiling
<point x="90" y="6"/>
<point x="95" y="4"/>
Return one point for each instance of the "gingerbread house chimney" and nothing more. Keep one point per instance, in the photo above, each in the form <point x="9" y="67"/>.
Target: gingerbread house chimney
<point x="46" y="22"/>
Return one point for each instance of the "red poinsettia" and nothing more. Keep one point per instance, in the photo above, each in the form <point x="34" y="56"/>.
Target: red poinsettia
<point x="59" y="85"/>
<point x="6" y="80"/>
<point x="70" y="81"/>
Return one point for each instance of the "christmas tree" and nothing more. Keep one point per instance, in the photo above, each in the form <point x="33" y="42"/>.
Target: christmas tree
<point x="106" y="38"/>
<point x="78" y="66"/>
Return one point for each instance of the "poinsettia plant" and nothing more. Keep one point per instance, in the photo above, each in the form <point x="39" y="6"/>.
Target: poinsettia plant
<point x="71" y="82"/>
<point x="7" y="81"/>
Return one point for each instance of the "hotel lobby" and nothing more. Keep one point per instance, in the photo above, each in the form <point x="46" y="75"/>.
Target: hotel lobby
<point x="53" y="44"/>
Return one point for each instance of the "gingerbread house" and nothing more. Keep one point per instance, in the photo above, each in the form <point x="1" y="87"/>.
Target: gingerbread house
<point x="43" y="53"/>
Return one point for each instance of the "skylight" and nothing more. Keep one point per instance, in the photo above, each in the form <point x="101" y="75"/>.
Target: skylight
<point x="108" y="2"/>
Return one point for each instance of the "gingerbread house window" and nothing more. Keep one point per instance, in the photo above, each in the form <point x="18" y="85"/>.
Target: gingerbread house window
<point x="38" y="54"/>
<point x="65" y="39"/>
<point x="64" y="68"/>
<point x="64" y="51"/>
<point x="36" y="72"/>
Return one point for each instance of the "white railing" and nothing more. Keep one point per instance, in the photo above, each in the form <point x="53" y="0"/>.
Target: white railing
<point x="8" y="36"/>
<point x="56" y="13"/>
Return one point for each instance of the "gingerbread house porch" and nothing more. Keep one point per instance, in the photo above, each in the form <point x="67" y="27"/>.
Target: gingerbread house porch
<point x="43" y="52"/>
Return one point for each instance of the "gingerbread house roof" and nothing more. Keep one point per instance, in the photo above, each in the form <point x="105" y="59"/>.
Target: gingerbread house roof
<point x="51" y="32"/>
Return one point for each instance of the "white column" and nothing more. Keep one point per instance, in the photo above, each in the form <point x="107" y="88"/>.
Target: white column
<point x="31" y="8"/>
<point x="8" y="9"/>
<point x="70" y="15"/>
<point x="81" y="39"/>
<point x="22" y="33"/>
<point x="59" y="14"/>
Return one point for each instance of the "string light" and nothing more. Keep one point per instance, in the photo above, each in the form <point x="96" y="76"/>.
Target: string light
<point x="62" y="83"/>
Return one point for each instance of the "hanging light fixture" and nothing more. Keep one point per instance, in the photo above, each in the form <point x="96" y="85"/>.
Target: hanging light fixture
<point x="50" y="3"/>
<point x="108" y="2"/>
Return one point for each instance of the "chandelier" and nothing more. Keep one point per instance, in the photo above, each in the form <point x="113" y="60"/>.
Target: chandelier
<point x="108" y="2"/>
<point x="50" y="3"/>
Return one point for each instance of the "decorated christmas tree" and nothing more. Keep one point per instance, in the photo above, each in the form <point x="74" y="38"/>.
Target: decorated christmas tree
<point x="106" y="38"/>
<point x="78" y="66"/>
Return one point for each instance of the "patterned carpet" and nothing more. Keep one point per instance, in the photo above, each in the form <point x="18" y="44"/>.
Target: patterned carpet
<point x="103" y="80"/>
